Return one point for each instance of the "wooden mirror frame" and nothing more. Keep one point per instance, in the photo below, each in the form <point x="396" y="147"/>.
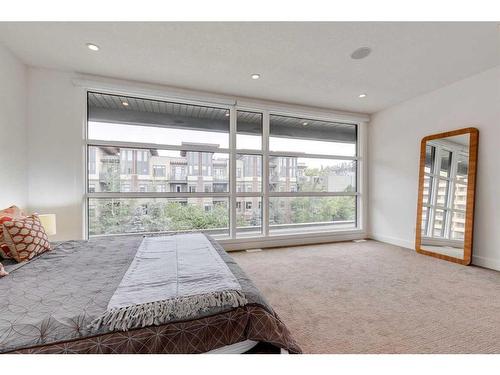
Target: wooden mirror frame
<point x="471" y="189"/>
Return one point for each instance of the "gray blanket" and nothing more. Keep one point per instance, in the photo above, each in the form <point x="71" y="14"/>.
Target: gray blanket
<point x="57" y="295"/>
<point x="171" y="277"/>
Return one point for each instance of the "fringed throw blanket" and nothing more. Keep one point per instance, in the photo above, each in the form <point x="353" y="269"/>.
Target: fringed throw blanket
<point x="171" y="277"/>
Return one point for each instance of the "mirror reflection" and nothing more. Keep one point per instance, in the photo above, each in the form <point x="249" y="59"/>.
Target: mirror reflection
<point x="445" y="195"/>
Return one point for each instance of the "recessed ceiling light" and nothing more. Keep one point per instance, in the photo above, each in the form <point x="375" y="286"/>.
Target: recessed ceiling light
<point x="305" y="123"/>
<point x="92" y="47"/>
<point x="125" y="104"/>
<point x="362" y="95"/>
<point x="255" y="76"/>
<point x="361" y="53"/>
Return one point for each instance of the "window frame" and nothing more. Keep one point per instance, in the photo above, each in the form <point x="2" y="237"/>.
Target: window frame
<point x="161" y="167"/>
<point x="266" y="109"/>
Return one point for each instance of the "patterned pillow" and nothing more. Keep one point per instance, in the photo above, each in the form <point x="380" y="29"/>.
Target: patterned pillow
<point x="2" y="271"/>
<point x="26" y="238"/>
<point x="7" y="214"/>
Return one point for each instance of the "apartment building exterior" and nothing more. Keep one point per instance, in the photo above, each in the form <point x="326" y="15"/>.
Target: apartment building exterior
<point x="113" y="169"/>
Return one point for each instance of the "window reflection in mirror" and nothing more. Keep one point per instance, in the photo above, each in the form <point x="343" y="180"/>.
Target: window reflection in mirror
<point x="444" y="195"/>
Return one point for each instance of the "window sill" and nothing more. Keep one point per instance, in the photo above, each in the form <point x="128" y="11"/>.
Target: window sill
<point x="297" y="238"/>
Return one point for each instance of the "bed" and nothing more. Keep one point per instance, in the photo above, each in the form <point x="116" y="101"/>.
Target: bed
<point x="47" y="305"/>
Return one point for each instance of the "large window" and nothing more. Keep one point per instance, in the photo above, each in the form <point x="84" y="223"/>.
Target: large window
<point x="249" y="176"/>
<point x="157" y="166"/>
<point x="312" y="175"/>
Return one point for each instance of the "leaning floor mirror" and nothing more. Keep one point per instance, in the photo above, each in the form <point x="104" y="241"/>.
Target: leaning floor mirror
<point x="445" y="211"/>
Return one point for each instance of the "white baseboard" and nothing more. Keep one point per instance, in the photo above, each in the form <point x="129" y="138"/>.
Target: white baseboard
<point x="393" y="241"/>
<point x="477" y="260"/>
<point x="490" y="263"/>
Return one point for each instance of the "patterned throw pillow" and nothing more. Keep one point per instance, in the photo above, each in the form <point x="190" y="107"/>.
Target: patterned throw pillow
<point x="7" y="214"/>
<point x="26" y="238"/>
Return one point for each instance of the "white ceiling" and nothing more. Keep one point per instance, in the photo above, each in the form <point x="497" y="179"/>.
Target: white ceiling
<point x="303" y="63"/>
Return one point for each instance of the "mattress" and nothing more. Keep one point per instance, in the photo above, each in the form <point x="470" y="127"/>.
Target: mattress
<point x="237" y="348"/>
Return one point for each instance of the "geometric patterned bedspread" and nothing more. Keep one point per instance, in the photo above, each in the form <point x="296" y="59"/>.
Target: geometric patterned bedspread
<point x="195" y="336"/>
<point x="47" y="304"/>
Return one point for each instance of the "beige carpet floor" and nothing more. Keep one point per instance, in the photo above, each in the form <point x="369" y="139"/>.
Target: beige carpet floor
<point x="372" y="297"/>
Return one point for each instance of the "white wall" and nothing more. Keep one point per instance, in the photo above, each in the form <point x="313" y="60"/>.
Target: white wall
<point x="41" y="134"/>
<point x="393" y="152"/>
<point x="55" y="149"/>
<point x="13" y="158"/>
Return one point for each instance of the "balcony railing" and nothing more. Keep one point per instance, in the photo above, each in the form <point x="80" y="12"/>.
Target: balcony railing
<point x="221" y="178"/>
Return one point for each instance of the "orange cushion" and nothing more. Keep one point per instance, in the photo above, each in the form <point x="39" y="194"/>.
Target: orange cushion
<point x="25" y="237"/>
<point x="7" y="214"/>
